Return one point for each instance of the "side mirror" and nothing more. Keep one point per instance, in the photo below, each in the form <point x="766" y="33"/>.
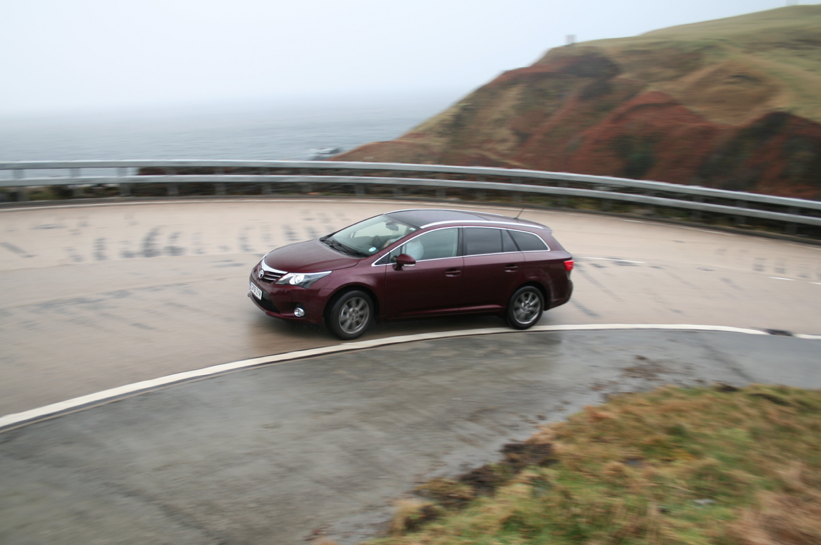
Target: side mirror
<point x="404" y="260"/>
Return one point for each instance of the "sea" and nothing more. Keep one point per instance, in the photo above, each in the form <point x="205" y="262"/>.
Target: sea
<point x="260" y="131"/>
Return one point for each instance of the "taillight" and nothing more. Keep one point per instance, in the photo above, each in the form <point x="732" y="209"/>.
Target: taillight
<point x="568" y="265"/>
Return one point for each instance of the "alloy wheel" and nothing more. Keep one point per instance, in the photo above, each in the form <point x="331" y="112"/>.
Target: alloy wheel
<point x="526" y="307"/>
<point x="354" y="315"/>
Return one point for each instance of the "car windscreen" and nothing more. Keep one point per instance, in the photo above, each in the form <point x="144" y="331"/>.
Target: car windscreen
<point x="368" y="237"/>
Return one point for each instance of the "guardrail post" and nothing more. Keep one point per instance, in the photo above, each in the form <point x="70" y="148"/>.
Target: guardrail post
<point x="22" y="191"/>
<point x="358" y="189"/>
<point x="125" y="190"/>
<point x="480" y="193"/>
<point x="695" y="215"/>
<point x="739" y="220"/>
<point x="265" y="189"/>
<point x="651" y="209"/>
<point x="173" y="191"/>
<point x="397" y="192"/>
<point x="77" y="190"/>
<point x="791" y="228"/>
<point x="219" y="187"/>
<point x="605" y="204"/>
<point x="563" y="199"/>
<point x="441" y="193"/>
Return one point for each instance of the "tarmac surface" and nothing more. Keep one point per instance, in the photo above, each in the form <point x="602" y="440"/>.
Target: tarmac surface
<point x="323" y="446"/>
<point x="97" y="297"/>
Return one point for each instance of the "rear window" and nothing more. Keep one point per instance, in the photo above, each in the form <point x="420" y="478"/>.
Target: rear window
<point x="528" y="242"/>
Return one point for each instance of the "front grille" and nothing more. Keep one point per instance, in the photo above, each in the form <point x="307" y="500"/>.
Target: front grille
<point x="270" y="276"/>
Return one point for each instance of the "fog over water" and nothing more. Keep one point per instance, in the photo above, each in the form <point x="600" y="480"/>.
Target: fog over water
<point x="259" y="131"/>
<point x="256" y="79"/>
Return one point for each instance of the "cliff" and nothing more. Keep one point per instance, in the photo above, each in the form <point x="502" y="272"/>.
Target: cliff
<point x="733" y="104"/>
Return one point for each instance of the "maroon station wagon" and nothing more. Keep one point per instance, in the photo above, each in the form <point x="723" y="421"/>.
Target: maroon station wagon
<point x="416" y="263"/>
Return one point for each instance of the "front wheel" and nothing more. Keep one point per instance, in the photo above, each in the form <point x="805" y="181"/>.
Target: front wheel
<point x="350" y="315"/>
<point x="525" y="307"/>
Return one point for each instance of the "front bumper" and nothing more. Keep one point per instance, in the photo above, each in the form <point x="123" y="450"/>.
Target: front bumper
<point x="281" y="301"/>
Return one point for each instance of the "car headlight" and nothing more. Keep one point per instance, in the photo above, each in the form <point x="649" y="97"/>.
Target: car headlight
<point x="303" y="280"/>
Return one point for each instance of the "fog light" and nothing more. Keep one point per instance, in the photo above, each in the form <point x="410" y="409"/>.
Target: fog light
<point x="299" y="312"/>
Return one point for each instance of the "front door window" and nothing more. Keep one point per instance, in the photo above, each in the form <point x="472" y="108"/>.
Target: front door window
<point x="439" y="244"/>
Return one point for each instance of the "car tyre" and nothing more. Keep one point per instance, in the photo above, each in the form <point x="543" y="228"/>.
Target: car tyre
<point x="525" y="307"/>
<point x="350" y="315"/>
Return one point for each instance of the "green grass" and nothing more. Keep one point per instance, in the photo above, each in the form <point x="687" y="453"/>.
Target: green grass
<point x="782" y="44"/>
<point x="675" y="465"/>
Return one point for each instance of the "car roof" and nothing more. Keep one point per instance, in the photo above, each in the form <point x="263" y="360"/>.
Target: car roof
<point x="424" y="217"/>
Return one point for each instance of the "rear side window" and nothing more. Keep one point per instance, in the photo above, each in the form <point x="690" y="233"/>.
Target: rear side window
<point x="507" y="243"/>
<point x="528" y="242"/>
<point x="482" y="241"/>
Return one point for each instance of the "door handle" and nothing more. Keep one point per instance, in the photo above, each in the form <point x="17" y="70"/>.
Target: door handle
<point x="452" y="273"/>
<point x="511" y="268"/>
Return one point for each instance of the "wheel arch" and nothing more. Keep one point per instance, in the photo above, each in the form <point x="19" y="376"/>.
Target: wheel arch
<point x="352" y="287"/>
<point x="539" y="286"/>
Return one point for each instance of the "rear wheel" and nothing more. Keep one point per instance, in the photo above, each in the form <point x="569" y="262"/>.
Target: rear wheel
<point x="525" y="307"/>
<point x="350" y="315"/>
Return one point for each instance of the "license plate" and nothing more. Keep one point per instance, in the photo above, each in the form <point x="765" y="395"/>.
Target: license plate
<point x="256" y="291"/>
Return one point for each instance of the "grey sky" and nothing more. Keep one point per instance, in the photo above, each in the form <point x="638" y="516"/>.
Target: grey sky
<point x="68" y="55"/>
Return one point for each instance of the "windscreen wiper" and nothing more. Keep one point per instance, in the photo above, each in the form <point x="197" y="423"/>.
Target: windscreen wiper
<point x="338" y="246"/>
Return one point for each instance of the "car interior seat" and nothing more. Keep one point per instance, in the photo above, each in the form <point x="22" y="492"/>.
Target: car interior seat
<point x="415" y="249"/>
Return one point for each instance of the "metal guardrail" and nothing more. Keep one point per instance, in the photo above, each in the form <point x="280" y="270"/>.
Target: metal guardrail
<point x="787" y="211"/>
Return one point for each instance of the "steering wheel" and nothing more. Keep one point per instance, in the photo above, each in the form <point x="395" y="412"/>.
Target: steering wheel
<point x="378" y="242"/>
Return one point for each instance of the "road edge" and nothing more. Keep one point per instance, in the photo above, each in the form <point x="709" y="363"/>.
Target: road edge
<point x="16" y="420"/>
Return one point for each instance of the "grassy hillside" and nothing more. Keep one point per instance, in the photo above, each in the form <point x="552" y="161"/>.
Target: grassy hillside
<point x="731" y="103"/>
<point x="674" y="466"/>
<point x="747" y="65"/>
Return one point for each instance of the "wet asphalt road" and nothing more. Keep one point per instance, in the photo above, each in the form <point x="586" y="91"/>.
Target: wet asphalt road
<point x="323" y="446"/>
<point x="97" y="297"/>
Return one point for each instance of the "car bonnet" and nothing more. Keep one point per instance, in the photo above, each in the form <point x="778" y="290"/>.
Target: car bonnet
<point x="310" y="256"/>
